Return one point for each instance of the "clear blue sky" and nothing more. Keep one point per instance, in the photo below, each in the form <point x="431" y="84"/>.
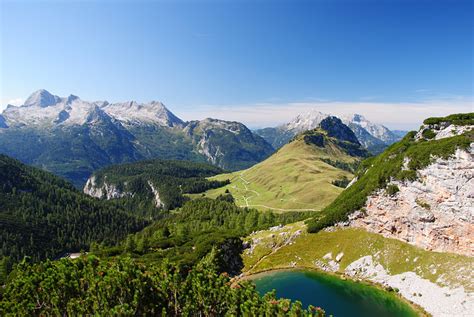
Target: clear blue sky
<point x="193" y="53"/>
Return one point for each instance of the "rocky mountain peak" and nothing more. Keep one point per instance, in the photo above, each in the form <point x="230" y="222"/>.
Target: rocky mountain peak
<point x="72" y="98"/>
<point x="41" y="98"/>
<point x="305" y="122"/>
<point x="376" y="130"/>
<point x="356" y="118"/>
<point x="134" y="113"/>
<point x="335" y="128"/>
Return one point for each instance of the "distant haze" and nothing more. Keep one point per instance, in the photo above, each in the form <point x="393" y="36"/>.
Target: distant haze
<point x="403" y="116"/>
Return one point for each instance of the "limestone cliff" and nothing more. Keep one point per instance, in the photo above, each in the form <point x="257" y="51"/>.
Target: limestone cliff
<point x="433" y="209"/>
<point x="105" y="190"/>
<point x="435" y="212"/>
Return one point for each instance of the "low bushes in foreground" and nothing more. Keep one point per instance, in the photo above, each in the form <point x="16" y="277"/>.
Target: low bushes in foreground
<point x="90" y="286"/>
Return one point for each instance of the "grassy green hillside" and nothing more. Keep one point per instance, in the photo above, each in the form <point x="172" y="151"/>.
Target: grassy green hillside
<point x="298" y="176"/>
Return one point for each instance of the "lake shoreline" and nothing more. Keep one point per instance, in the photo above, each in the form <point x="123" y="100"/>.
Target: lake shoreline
<point x="245" y="276"/>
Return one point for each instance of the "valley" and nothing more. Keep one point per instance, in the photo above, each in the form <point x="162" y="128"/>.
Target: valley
<point x="72" y="138"/>
<point x="277" y="158"/>
<point x="385" y="239"/>
<point x="300" y="176"/>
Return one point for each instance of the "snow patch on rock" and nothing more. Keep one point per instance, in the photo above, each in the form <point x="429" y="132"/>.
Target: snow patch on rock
<point x="45" y="109"/>
<point x="306" y="121"/>
<point x="376" y="130"/>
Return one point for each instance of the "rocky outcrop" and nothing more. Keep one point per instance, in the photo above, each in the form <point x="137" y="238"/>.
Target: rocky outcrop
<point x="227" y="144"/>
<point x="156" y="194"/>
<point x="111" y="191"/>
<point x="104" y="191"/>
<point x="435" y="212"/>
<point x="210" y="151"/>
<point x="441" y="130"/>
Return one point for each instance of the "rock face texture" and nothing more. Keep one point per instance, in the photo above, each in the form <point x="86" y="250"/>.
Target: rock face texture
<point x="443" y="130"/>
<point x="156" y="194"/>
<point x="227" y="144"/>
<point x="111" y="191"/>
<point x="106" y="191"/>
<point x="438" y="301"/>
<point x="435" y="212"/>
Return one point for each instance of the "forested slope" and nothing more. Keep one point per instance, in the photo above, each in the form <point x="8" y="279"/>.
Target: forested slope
<point x="156" y="183"/>
<point x="42" y="216"/>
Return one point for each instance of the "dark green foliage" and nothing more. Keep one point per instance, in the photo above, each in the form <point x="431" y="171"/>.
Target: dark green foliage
<point x="350" y="167"/>
<point x="314" y="139"/>
<point x="392" y="189"/>
<point x="375" y="173"/>
<point x="342" y="182"/>
<point x="336" y="129"/>
<point x="457" y="119"/>
<point x="353" y="149"/>
<point x="428" y="134"/>
<point x="89" y="286"/>
<point x="6" y="265"/>
<point x="53" y="150"/>
<point x="166" y="144"/>
<point x="226" y="197"/>
<point x="321" y="138"/>
<point x="171" y="179"/>
<point x="189" y="233"/>
<point x="42" y="216"/>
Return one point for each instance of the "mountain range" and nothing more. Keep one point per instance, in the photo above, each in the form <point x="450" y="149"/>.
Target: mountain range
<point x="72" y="137"/>
<point x="305" y="174"/>
<point x="374" y="137"/>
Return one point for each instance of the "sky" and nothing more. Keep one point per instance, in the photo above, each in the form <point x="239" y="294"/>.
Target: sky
<point x="258" y="62"/>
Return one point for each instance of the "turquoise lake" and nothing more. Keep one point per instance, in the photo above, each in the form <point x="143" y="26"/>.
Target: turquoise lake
<point x="338" y="297"/>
